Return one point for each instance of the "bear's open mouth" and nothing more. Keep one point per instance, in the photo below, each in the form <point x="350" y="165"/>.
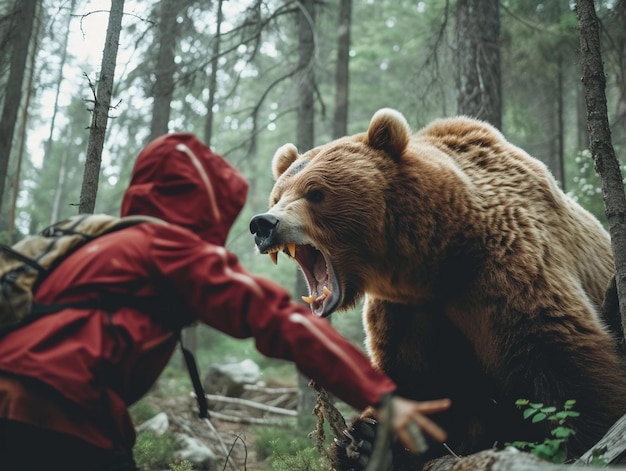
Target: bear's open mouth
<point x="324" y="291"/>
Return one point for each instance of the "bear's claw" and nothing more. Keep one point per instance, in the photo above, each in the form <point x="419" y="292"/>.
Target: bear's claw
<point x="352" y="452"/>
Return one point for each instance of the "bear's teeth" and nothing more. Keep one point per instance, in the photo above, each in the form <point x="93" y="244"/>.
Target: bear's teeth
<point x="324" y="295"/>
<point x="291" y="248"/>
<point x="274" y="257"/>
<point x="319" y="299"/>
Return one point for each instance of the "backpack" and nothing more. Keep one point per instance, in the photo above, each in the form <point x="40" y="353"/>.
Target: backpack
<point x="27" y="263"/>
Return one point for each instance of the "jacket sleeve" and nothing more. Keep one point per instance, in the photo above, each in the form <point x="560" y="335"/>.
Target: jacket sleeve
<point x="224" y="295"/>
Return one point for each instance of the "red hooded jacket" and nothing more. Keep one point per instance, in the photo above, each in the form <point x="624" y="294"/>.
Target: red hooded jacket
<point x="94" y="363"/>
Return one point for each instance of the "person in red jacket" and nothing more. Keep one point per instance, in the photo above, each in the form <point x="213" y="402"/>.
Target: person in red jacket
<point x="67" y="379"/>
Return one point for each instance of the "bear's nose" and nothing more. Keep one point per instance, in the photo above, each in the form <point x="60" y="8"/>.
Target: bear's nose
<point x="263" y="226"/>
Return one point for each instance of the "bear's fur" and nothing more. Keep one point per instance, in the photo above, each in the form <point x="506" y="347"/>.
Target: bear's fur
<point x="483" y="280"/>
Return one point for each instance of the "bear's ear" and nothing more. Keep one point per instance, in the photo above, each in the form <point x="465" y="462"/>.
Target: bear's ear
<point x="389" y="131"/>
<point x="283" y="158"/>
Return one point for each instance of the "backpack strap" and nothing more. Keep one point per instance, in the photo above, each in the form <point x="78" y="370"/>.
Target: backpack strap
<point x="192" y="368"/>
<point x="22" y="258"/>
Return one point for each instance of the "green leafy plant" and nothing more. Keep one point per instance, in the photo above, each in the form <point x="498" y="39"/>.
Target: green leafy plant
<point x="142" y="410"/>
<point x="597" y="457"/>
<point x="289" y="449"/>
<point x="272" y="442"/>
<point x="182" y="466"/>
<point x="154" y="452"/>
<point x="552" y="449"/>
<point x="307" y="459"/>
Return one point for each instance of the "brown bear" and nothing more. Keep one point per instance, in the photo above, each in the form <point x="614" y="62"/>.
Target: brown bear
<point x="482" y="279"/>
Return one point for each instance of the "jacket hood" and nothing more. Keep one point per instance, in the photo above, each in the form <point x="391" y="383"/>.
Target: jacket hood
<point x="180" y="180"/>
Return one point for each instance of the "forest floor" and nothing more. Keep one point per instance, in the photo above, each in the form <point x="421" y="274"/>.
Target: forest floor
<point x="236" y="438"/>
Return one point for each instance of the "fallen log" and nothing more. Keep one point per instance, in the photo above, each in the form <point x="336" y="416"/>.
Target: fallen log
<point x="489" y="460"/>
<point x="610" y="449"/>
<point x="613" y="445"/>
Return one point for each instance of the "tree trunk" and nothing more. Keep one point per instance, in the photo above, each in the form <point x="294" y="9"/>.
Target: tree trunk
<point x="555" y="158"/>
<point x="306" y="75"/>
<point x="208" y="124"/>
<point x="100" y="114"/>
<point x="23" y="133"/>
<point x="20" y="159"/>
<point x="305" y="137"/>
<point x="558" y="159"/>
<point x="479" y="92"/>
<point x="616" y="65"/>
<point x="605" y="160"/>
<point x="24" y="16"/>
<point x="164" y="72"/>
<point x="342" y="75"/>
<point x="582" y="135"/>
<point x="56" y="201"/>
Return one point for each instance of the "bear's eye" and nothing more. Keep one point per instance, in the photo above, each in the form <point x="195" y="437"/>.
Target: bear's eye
<point x="315" y="196"/>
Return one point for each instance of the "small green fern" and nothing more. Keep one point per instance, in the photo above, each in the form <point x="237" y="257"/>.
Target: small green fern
<point x="552" y="449"/>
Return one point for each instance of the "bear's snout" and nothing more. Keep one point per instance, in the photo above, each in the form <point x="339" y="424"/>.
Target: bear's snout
<point x="263" y="227"/>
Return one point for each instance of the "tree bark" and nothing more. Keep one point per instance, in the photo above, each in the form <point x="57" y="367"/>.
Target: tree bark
<point x="508" y="459"/>
<point x="582" y="135"/>
<point x="100" y="114"/>
<point x="558" y="166"/>
<point x="164" y="71"/>
<point x="208" y="124"/>
<point x="479" y="89"/>
<point x="605" y="160"/>
<point x="22" y="29"/>
<point x="23" y="133"/>
<point x="342" y="73"/>
<point x="56" y="201"/>
<point x="306" y="75"/>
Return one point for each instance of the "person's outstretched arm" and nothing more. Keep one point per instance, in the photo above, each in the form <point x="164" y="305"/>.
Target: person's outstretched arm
<point x="224" y="295"/>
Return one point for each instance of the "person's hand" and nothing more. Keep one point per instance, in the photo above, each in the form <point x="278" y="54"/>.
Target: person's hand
<point x="409" y="421"/>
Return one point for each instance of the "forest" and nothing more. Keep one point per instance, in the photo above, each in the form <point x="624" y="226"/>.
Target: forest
<point x="88" y="83"/>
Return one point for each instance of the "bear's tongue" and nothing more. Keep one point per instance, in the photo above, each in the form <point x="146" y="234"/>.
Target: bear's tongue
<point x="318" y="285"/>
<point x="319" y="270"/>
